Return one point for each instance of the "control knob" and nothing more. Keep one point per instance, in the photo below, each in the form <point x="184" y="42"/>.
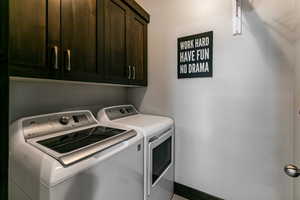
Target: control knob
<point x="122" y="110"/>
<point x="64" y="120"/>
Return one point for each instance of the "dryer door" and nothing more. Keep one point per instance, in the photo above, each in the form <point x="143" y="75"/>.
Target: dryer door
<point x="160" y="163"/>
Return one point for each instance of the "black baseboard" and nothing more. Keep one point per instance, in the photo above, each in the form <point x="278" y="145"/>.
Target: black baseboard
<point x="192" y="194"/>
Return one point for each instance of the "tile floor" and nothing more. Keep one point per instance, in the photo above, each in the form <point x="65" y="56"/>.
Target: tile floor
<point x="176" y="197"/>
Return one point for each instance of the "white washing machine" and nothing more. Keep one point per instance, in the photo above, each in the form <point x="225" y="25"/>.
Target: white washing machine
<point x="70" y="156"/>
<point x="158" y="147"/>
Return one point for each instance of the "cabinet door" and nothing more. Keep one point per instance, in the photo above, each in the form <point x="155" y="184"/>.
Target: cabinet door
<point x="137" y="49"/>
<point x="79" y="41"/>
<point x="54" y="39"/>
<point x="116" y="23"/>
<point x="3" y="30"/>
<point x="27" y="38"/>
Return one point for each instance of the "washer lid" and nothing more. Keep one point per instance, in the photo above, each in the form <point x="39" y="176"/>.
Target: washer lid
<point x="75" y="146"/>
<point x="79" y="139"/>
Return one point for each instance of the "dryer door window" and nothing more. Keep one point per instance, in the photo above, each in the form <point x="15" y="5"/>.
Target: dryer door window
<point x="161" y="159"/>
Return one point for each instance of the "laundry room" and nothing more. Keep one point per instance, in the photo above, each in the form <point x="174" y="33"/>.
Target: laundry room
<point x="150" y="100"/>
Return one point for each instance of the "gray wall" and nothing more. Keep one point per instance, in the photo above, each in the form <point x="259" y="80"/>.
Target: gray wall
<point x="29" y="98"/>
<point x="297" y="101"/>
<point x="297" y="121"/>
<point x="234" y="131"/>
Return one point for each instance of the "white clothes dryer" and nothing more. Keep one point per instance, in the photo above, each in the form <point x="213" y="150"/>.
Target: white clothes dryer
<point x="158" y="147"/>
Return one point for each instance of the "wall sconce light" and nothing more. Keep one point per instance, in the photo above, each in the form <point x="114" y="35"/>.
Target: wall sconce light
<point x="237" y="17"/>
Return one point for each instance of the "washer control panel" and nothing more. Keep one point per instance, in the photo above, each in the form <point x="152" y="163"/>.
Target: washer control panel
<point x="53" y="123"/>
<point x="118" y="112"/>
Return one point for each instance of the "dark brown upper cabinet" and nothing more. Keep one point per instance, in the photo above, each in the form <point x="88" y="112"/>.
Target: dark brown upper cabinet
<point x="72" y="40"/>
<point x="116" y="26"/>
<point x="27" y="37"/>
<point x="102" y="41"/>
<point x="3" y="30"/>
<point x="54" y="46"/>
<point x="79" y="40"/>
<point x="125" y="44"/>
<point x="137" y="50"/>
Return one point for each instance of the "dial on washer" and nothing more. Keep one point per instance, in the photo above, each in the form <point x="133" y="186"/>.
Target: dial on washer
<point x="64" y="120"/>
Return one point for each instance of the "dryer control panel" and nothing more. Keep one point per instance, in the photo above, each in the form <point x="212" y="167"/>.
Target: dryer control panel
<point x="118" y="112"/>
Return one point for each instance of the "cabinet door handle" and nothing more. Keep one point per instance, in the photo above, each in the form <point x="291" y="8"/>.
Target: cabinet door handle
<point x="68" y="60"/>
<point x="133" y="69"/>
<point x="55" y="54"/>
<point x="129" y="72"/>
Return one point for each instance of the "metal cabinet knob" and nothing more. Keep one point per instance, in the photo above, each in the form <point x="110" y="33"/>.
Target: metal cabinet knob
<point x="68" y="60"/>
<point x="292" y="170"/>
<point x="55" y="54"/>
<point x="129" y="72"/>
<point x="133" y="73"/>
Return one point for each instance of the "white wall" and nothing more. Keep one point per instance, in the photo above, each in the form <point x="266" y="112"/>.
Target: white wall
<point x="234" y="131"/>
<point x="297" y="121"/>
<point x="29" y="98"/>
<point x="297" y="101"/>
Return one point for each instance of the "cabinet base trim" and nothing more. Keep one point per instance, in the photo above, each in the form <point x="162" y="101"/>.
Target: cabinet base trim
<point x="17" y="78"/>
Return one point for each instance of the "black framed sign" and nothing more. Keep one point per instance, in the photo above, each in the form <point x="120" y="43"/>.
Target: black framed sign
<point x="195" y="56"/>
